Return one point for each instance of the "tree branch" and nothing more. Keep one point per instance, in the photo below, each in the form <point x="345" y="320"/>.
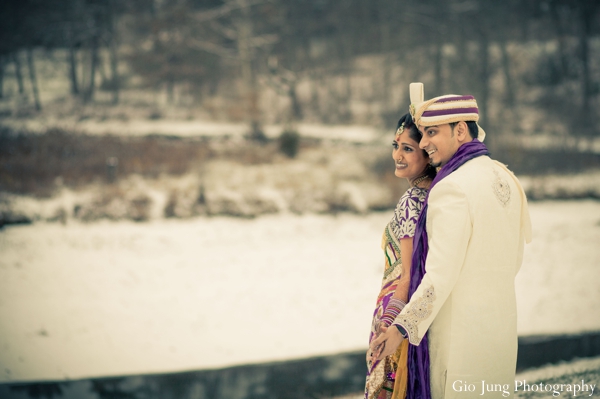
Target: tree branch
<point x="224" y="10"/>
<point x="212" y="48"/>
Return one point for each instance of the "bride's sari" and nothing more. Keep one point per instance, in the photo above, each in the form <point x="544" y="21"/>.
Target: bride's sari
<point x="387" y="379"/>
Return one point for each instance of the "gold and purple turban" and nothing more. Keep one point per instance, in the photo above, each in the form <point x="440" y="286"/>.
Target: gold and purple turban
<point x="444" y="109"/>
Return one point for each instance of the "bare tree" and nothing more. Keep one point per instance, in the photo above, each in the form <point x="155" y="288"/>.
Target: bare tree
<point x="93" y="54"/>
<point x="234" y="22"/>
<point x="285" y="82"/>
<point x="2" y="66"/>
<point x="243" y="24"/>
<point x="113" y="53"/>
<point x="18" y="72"/>
<point x="73" y="70"/>
<point x="33" y="79"/>
<point x="587" y="12"/>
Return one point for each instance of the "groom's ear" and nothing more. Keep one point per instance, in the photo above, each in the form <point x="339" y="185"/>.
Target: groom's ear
<point x="462" y="131"/>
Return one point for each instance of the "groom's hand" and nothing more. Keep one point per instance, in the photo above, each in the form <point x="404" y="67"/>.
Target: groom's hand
<point x="386" y="343"/>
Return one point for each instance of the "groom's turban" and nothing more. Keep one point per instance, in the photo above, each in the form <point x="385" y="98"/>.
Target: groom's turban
<point x="442" y="110"/>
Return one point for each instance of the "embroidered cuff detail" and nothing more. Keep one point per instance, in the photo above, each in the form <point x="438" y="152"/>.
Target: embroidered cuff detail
<point x="416" y="311"/>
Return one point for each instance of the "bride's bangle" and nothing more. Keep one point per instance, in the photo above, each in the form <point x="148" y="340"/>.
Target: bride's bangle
<point x="393" y="309"/>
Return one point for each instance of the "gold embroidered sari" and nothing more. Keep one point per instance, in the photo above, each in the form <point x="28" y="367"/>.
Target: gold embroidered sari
<point x="387" y="379"/>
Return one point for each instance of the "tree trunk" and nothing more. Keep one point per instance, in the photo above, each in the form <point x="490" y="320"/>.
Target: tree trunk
<point x="2" y="63"/>
<point x="586" y="16"/>
<point x="347" y="115"/>
<point x="386" y="67"/>
<point x="484" y="77"/>
<point x="246" y="52"/>
<point x="114" y="71"/>
<point x="315" y="102"/>
<point x="32" y="77"/>
<point x="18" y="73"/>
<point x="73" y="71"/>
<point x="459" y="70"/>
<point x="484" y="88"/>
<point x="113" y="46"/>
<point x="170" y="87"/>
<point x="100" y="66"/>
<point x="93" y="64"/>
<point x="296" y="108"/>
<point x="509" y="85"/>
<point x="439" y="64"/>
<point x="561" y="39"/>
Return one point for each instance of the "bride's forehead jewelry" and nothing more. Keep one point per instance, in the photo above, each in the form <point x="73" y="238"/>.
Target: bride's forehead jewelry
<point x="400" y="130"/>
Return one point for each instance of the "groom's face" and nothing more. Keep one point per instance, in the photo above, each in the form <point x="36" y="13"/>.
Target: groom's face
<point x="440" y="143"/>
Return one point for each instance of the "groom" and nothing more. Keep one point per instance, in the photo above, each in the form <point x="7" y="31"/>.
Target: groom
<point x="467" y="250"/>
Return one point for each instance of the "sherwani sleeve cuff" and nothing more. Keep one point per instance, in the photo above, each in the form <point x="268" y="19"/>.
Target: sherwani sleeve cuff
<point x="421" y="308"/>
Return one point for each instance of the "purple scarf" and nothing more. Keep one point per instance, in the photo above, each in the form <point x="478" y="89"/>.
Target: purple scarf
<point x="418" y="356"/>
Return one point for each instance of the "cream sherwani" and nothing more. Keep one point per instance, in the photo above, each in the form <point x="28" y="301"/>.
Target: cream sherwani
<point x="477" y="224"/>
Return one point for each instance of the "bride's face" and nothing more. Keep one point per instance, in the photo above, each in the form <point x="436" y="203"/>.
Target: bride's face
<point x="409" y="159"/>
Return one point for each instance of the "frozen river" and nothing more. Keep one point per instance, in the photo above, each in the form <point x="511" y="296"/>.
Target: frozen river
<point x="113" y="298"/>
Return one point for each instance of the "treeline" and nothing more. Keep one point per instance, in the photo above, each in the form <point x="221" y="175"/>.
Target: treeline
<point x="323" y="57"/>
<point x="71" y="25"/>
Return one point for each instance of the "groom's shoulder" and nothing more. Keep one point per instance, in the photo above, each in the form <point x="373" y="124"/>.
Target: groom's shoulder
<point x="471" y="172"/>
<point x="473" y="176"/>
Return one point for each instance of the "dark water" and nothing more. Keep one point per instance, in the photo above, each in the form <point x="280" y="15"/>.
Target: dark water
<point x="319" y="377"/>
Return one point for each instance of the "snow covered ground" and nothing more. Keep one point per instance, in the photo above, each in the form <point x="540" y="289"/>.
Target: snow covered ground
<point x="114" y="298"/>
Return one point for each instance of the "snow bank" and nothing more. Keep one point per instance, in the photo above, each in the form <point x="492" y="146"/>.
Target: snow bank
<point x="567" y="186"/>
<point x="343" y="183"/>
<point x="327" y="179"/>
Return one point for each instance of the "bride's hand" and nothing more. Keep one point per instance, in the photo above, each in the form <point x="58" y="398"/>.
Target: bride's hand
<point x="385" y="344"/>
<point x="381" y="328"/>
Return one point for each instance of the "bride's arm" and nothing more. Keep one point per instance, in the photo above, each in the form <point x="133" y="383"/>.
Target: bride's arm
<point x="406" y="248"/>
<point x="400" y="297"/>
